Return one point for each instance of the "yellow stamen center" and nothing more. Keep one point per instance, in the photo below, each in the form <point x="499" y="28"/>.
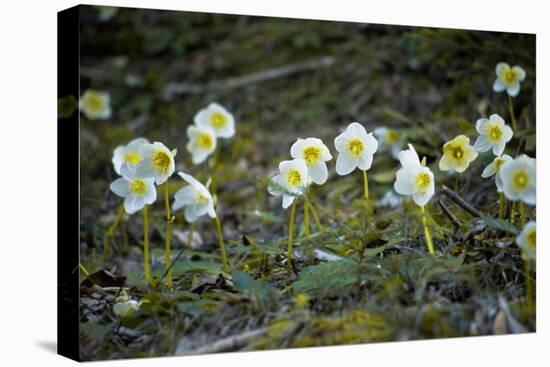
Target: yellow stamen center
<point x="161" y="161"/>
<point x="311" y="155"/>
<point x="498" y="164"/>
<point x="423" y="182"/>
<point x="494" y="132"/>
<point x="355" y="146"/>
<point x="520" y="180"/>
<point x="201" y="199"/>
<point x="293" y="177"/>
<point x="132" y="157"/>
<point x="532" y="239"/>
<point x="204" y="141"/>
<point x="218" y="120"/>
<point x="509" y="75"/>
<point x="137" y="187"/>
<point x="392" y="136"/>
<point x="456" y="151"/>
<point x="94" y="102"/>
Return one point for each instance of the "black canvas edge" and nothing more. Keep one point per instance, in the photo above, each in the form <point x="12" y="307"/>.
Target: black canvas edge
<point x="68" y="186"/>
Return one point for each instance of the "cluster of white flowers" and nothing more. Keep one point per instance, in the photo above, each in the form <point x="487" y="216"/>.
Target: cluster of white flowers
<point x="355" y="149"/>
<point x="142" y="165"/>
<point x="210" y="123"/>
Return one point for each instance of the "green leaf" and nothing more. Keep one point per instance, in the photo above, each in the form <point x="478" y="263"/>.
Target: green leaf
<point x="500" y="224"/>
<point x="261" y="293"/>
<point x="327" y="278"/>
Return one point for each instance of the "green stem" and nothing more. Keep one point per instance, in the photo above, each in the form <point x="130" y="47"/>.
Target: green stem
<point x="169" y="220"/>
<point x="222" y="244"/>
<point x="501" y="206"/>
<point x="290" y="235"/>
<point x="456" y="183"/>
<point x="522" y="216"/>
<point x="366" y="184"/>
<point x="512" y="115"/>
<point x="190" y="235"/>
<point x="110" y="231"/>
<point x="427" y="233"/>
<point x="513" y="212"/>
<point x="315" y="217"/>
<point x="306" y="220"/>
<point x="146" y="268"/>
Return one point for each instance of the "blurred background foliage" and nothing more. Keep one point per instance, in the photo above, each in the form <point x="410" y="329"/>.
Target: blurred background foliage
<point x="284" y="79"/>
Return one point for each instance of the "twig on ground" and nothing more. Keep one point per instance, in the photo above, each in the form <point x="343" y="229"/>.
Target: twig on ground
<point x="230" y="343"/>
<point x="461" y="202"/>
<point x="454" y="220"/>
<point x="172" y="89"/>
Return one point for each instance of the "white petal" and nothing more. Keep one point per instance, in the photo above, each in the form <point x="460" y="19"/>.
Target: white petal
<point x="276" y="185"/>
<point x="133" y="203"/>
<point x="498" y="85"/>
<point x="318" y="173"/>
<point x="508" y="133"/>
<point x="371" y="144"/>
<point x="211" y="210"/>
<point x="287" y="200"/>
<point x="481" y="126"/>
<point x="118" y="158"/>
<point x="356" y="129"/>
<point x="144" y="169"/>
<point x="404" y="182"/>
<point x="190" y="214"/>
<point x="199" y="156"/>
<point x="513" y="89"/>
<point x="120" y="187"/>
<point x="186" y="195"/>
<point x="151" y="193"/>
<point x="498" y="149"/>
<point x="364" y="162"/>
<point x="500" y="67"/>
<point x="409" y="157"/>
<point x="530" y="196"/>
<point x="445" y="163"/>
<point x="482" y="144"/>
<point x="520" y="73"/>
<point x="489" y="171"/>
<point x="296" y="149"/>
<point x="340" y="141"/>
<point x="345" y="164"/>
<point x="422" y="199"/>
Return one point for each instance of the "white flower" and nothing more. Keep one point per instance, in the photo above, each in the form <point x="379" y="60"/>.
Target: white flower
<point x="414" y="179"/>
<point x="95" y="104"/>
<point x="195" y="198"/>
<point x="128" y="153"/>
<point x="493" y="132"/>
<point x="457" y="155"/>
<point x="527" y="239"/>
<point x="291" y="182"/>
<point x="315" y="153"/>
<point x="218" y="118"/>
<point x="123" y="309"/>
<point x="508" y="78"/>
<point x="390" y="200"/>
<point x="519" y="179"/>
<point x="389" y="140"/>
<point x="137" y="192"/>
<point x="156" y="161"/>
<point x="202" y="142"/>
<point x="355" y="148"/>
<point x="494" y="167"/>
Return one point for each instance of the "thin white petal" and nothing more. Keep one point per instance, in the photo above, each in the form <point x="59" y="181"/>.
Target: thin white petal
<point x="345" y="164"/>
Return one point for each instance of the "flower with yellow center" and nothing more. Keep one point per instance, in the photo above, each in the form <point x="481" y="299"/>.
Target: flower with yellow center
<point x="414" y="179"/>
<point x="128" y="154"/>
<point x="194" y="198"/>
<point x="508" y="78"/>
<point x="125" y="308"/>
<point x="95" y="105"/>
<point x="156" y="161"/>
<point x="519" y="179"/>
<point x="315" y="153"/>
<point x="527" y="239"/>
<point x="291" y="182"/>
<point x="202" y="142"/>
<point x="493" y="133"/>
<point x="355" y="149"/>
<point x="137" y="192"/>
<point x="457" y="155"/>
<point x="494" y="168"/>
<point x="390" y="140"/>
<point x="218" y="118"/>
